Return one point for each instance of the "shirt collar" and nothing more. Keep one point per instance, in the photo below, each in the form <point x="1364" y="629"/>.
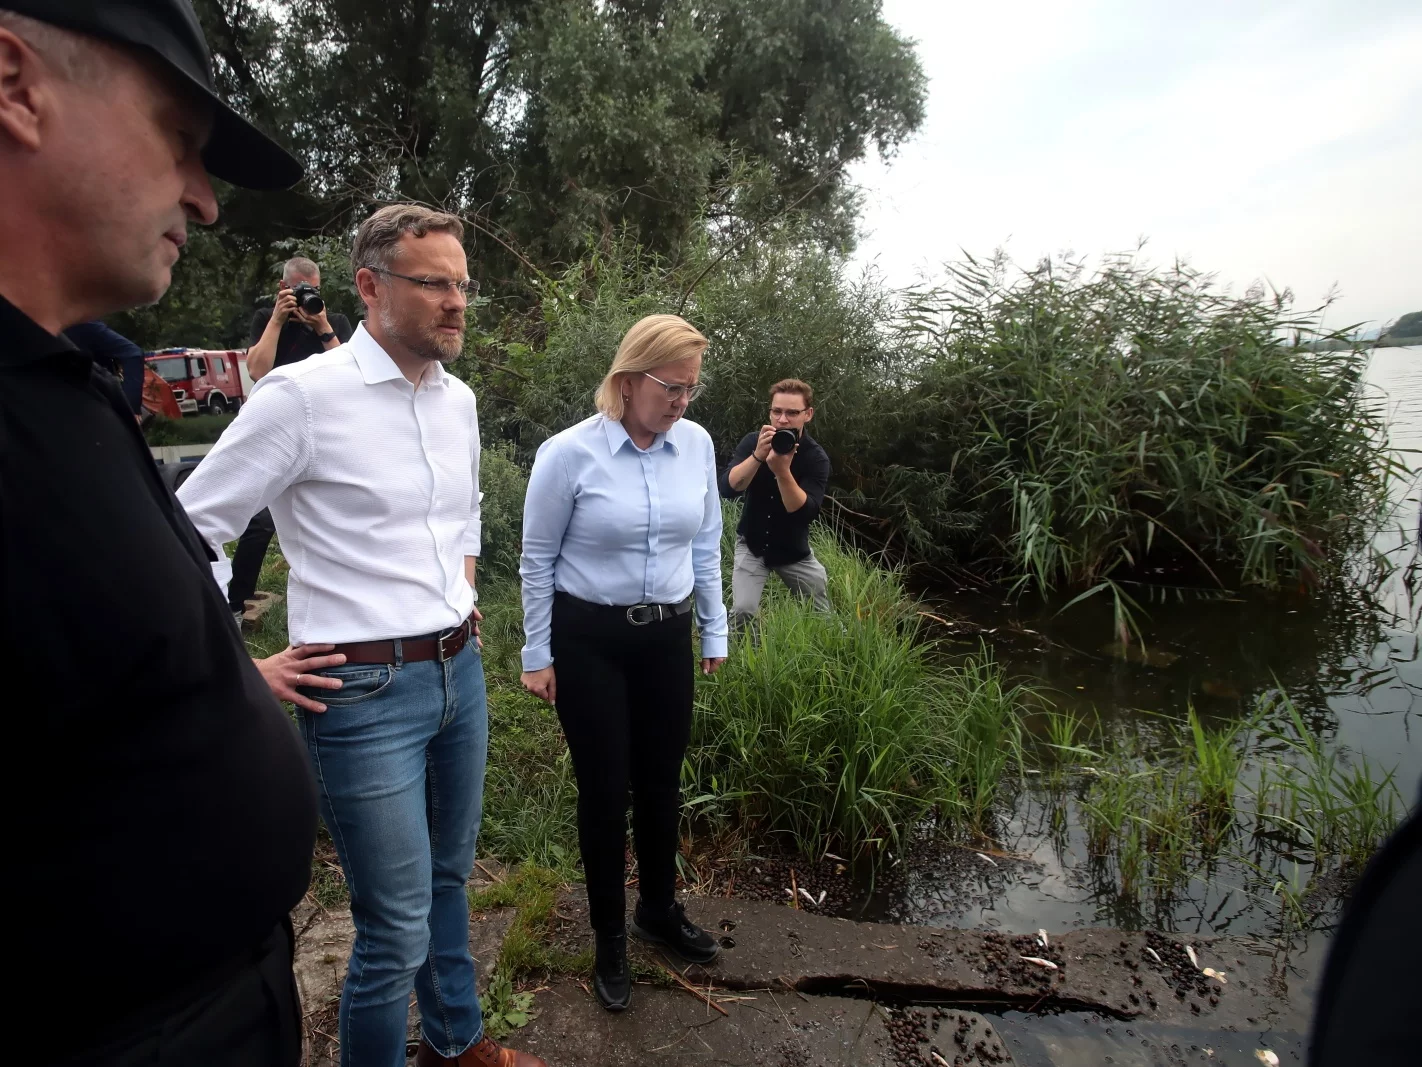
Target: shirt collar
<point x="617" y="437"/>
<point x="25" y="341"/>
<point x="376" y="366"/>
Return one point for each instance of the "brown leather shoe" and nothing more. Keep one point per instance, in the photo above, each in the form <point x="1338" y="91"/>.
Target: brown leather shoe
<point x="484" y="1054"/>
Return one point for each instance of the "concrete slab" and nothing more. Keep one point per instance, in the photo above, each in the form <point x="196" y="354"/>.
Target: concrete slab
<point x="1119" y="974"/>
<point x="670" y="1027"/>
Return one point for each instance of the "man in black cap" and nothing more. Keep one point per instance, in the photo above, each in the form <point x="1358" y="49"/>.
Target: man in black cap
<point x="171" y="832"/>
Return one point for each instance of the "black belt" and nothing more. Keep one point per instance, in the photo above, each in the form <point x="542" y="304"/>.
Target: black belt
<point x="636" y="614"/>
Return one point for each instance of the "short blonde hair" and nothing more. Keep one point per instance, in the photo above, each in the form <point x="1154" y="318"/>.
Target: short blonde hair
<point x="655" y="340"/>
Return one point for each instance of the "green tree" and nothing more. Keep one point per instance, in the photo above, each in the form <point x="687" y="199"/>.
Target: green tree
<point x="546" y="124"/>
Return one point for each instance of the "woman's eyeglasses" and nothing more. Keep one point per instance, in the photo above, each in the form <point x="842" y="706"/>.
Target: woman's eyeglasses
<point x="788" y="413"/>
<point x="676" y="391"/>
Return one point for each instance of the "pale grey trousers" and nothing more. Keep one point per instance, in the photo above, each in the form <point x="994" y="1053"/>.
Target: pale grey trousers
<point x="806" y="578"/>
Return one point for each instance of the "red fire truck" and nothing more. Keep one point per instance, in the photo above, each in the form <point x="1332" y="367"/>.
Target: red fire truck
<point x="203" y="381"/>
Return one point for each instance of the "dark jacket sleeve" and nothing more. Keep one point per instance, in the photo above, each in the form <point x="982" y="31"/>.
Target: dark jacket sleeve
<point x="814" y="481"/>
<point x="259" y="325"/>
<point x="739" y="456"/>
<point x="100" y="340"/>
<point x="342" y="326"/>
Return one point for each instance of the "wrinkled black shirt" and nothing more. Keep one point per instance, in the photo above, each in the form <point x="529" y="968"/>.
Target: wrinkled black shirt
<point x="775" y="535"/>
<point x="165" y="811"/>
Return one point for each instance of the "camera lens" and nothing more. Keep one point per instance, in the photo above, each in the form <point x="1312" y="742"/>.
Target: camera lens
<point x="309" y="300"/>
<point x="784" y="441"/>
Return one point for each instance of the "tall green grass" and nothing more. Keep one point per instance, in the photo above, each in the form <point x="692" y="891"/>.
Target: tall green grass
<point x="1063" y="427"/>
<point x="1165" y="804"/>
<point x="844" y="730"/>
<point x="1089" y="424"/>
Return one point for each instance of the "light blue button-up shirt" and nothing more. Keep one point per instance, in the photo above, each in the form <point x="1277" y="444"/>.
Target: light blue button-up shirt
<point x="610" y="523"/>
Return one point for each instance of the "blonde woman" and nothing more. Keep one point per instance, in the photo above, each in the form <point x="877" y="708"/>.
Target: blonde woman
<point x="621" y="546"/>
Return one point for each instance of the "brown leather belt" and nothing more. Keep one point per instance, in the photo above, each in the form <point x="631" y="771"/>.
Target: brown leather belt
<point x="440" y="646"/>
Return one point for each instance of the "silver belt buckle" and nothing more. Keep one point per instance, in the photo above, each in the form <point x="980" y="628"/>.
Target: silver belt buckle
<point x="632" y="617"/>
<point x="441" y="655"/>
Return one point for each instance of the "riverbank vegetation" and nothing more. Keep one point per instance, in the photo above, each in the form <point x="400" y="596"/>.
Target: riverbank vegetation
<point x="1054" y="428"/>
<point x="1164" y="803"/>
<point x="854" y="732"/>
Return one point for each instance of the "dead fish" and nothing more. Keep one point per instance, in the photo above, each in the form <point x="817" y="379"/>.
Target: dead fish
<point x="1042" y="936"/>
<point x="986" y="859"/>
<point x="937" y="1058"/>
<point x="1194" y="959"/>
<point x="1154" y="954"/>
<point x="822" y="897"/>
<point x="789" y="892"/>
<point x="1265" y="1055"/>
<point x="1144" y="655"/>
<point x="808" y="896"/>
<point x="1038" y="961"/>
<point x="832" y="856"/>
<point x="1210" y="972"/>
<point x="1223" y="690"/>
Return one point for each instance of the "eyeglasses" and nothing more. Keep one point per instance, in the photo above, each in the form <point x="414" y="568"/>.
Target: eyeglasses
<point x="434" y="288"/>
<point x="789" y="413"/>
<point x="676" y="392"/>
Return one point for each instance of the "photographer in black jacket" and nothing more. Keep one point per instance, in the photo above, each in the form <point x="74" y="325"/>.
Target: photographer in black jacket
<point x="296" y="325"/>
<point x="783" y="473"/>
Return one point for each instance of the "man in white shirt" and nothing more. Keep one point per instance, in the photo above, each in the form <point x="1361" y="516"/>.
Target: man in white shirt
<point x="368" y="456"/>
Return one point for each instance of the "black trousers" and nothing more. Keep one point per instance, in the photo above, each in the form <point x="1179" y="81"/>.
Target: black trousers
<point x="248" y="1017"/>
<point x="247" y="561"/>
<point x="624" y="699"/>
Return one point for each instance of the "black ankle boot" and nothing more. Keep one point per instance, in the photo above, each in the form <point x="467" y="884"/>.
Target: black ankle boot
<point x="676" y="932"/>
<point x="612" y="980"/>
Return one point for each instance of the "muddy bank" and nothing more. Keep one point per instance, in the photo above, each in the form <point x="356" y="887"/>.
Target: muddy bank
<point x="800" y="990"/>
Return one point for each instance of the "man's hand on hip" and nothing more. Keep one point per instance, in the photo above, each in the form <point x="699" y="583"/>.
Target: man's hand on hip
<point x="287" y="671"/>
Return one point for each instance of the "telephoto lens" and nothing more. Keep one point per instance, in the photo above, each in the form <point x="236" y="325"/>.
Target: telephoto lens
<point x="308" y="299"/>
<point x="784" y="441"/>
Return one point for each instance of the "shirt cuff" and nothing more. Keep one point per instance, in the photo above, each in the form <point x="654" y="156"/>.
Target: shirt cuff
<point x="222" y="572"/>
<point x="472" y="540"/>
<point x="535" y="658"/>
<point x="714" y="647"/>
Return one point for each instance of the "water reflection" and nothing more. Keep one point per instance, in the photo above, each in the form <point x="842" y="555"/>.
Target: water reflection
<point x="1347" y="655"/>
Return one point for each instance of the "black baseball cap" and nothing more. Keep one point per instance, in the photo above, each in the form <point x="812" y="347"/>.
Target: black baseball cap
<point x="237" y="151"/>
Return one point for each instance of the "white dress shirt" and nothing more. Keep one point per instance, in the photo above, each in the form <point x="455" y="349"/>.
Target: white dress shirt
<point x="373" y="486"/>
<point x="610" y="523"/>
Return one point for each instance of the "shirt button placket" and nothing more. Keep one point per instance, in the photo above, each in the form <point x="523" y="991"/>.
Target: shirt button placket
<point x="654" y="526"/>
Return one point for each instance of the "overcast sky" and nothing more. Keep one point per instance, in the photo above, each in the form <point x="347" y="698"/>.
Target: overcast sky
<point x="1259" y="139"/>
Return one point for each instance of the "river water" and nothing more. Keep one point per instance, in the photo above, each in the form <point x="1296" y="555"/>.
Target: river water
<point x="1350" y="662"/>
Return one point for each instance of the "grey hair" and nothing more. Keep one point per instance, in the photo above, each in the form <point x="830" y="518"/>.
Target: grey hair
<point x="379" y="236"/>
<point x="73" y="56"/>
<point x="299" y="267"/>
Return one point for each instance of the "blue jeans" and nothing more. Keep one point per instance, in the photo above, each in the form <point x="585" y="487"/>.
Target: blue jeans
<point x="399" y="759"/>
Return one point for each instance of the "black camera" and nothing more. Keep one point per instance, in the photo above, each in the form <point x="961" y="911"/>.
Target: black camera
<point x="784" y="441"/>
<point x="308" y="298"/>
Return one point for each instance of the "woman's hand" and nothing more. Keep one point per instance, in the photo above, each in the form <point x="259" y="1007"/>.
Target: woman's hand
<point x="541" y="684"/>
<point x="712" y="664"/>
